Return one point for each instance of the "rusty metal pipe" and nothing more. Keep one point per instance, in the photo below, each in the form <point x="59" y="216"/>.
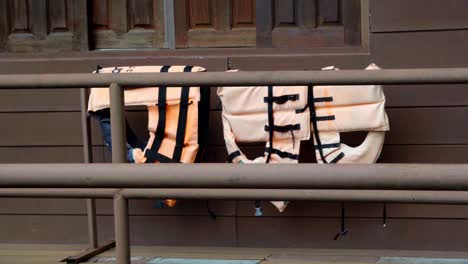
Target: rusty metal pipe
<point x="394" y="76"/>
<point x="295" y="176"/>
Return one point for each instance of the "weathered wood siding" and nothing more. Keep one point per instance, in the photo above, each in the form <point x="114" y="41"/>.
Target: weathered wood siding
<point x="428" y="125"/>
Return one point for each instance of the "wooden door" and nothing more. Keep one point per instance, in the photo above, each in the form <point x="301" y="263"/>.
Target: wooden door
<point x="127" y="24"/>
<point x="307" y="23"/>
<point x="215" y="23"/>
<point x="37" y="25"/>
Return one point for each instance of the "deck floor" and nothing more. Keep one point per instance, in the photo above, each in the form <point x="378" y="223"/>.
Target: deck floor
<point x="51" y="253"/>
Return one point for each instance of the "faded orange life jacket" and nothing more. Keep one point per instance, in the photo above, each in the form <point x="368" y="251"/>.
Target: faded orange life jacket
<point x="283" y="116"/>
<point x="173" y="114"/>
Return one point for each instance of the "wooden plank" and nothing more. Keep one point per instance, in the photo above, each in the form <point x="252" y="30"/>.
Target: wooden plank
<point x="302" y="61"/>
<point x="390" y="153"/>
<point x="329" y="11"/>
<point x="59" y="154"/>
<point x="104" y="207"/>
<point x="87" y="63"/>
<point x="351" y="17"/>
<point x="39" y="100"/>
<point x="410" y="50"/>
<point x="19" y="12"/>
<point x="38" y="18"/>
<point x="4" y="24"/>
<point x="429" y="126"/>
<point x="418" y="15"/>
<point x="118" y="16"/>
<point x="264" y="23"/>
<point x="243" y="13"/>
<point x="407" y="234"/>
<point x="61" y="128"/>
<point x="169" y="24"/>
<point x="100" y="14"/>
<point x="57" y="16"/>
<point x="181" y="23"/>
<point x="81" y="25"/>
<point x="145" y="230"/>
<point x="140" y="14"/>
<point x="406" y="96"/>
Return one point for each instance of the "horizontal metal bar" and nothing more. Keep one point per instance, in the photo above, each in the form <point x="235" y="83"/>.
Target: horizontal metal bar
<point x="389" y="196"/>
<point x="57" y="193"/>
<point x="395" y="76"/>
<point x="267" y="176"/>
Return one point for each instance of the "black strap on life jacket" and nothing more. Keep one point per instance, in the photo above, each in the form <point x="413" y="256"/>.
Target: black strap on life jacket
<point x="271" y="122"/>
<point x="343" y="230"/>
<point x="282" y="154"/>
<point x="285" y="128"/>
<point x="233" y="155"/>
<point x="182" y="123"/>
<point x="281" y="99"/>
<point x="314" y="118"/>
<point x="152" y="154"/>
<point x="156" y="156"/>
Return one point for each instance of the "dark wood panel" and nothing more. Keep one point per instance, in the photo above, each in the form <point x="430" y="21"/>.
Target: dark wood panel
<point x="243" y="13"/>
<point x="407" y="126"/>
<point x="285" y="13"/>
<point x="213" y="24"/>
<point x="141" y="14"/>
<point x="406" y="96"/>
<point x="408" y="234"/>
<point x="329" y="11"/>
<point x="58" y="20"/>
<point x="356" y="210"/>
<point x="100" y="14"/>
<point x="88" y="63"/>
<point x="427" y="126"/>
<point x="430" y="126"/>
<point x="39" y="100"/>
<point x="59" y="154"/>
<point x="123" y="24"/>
<point x="201" y="13"/>
<point x="401" y="15"/>
<point x="149" y="207"/>
<point x="300" y="62"/>
<point x="390" y="153"/>
<point x="144" y="230"/>
<point x="19" y="10"/>
<point x="40" y="129"/>
<point x="41" y="26"/>
<point x="4" y="24"/>
<point x="411" y="50"/>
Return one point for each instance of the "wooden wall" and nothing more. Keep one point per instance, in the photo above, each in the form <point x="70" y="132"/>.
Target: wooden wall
<point x="428" y="125"/>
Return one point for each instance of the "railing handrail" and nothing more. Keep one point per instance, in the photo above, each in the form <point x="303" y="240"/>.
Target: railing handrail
<point x="390" y="76"/>
<point x="219" y="175"/>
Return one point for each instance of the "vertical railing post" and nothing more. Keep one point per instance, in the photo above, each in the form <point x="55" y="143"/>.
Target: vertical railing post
<point x="117" y="112"/>
<point x="119" y="155"/>
<point x="88" y="158"/>
<point x="122" y="232"/>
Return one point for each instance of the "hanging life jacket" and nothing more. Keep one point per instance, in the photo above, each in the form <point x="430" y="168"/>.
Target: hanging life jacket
<point x="177" y="119"/>
<point x="283" y="116"/>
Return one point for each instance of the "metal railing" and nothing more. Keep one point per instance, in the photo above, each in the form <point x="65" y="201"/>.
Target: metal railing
<point x="409" y="183"/>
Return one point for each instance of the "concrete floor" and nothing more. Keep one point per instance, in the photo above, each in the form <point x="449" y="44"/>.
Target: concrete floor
<point x="51" y="253"/>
